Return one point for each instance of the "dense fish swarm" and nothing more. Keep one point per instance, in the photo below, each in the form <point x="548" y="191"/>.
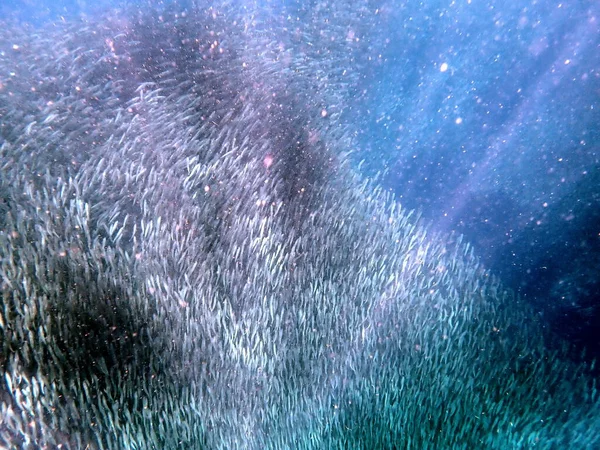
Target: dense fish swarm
<point x="188" y="261"/>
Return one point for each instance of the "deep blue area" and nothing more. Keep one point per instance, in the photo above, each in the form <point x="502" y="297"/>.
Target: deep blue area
<point x="503" y="146"/>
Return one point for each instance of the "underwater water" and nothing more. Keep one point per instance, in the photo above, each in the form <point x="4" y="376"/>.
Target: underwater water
<point x="486" y="117"/>
<point x="299" y="225"/>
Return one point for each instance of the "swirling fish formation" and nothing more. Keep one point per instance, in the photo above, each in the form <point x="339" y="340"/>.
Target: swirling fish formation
<point x="188" y="260"/>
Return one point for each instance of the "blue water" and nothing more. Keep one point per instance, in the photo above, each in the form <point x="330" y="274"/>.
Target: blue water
<point x="40" y="12"/>
<point x="504" y="144"/>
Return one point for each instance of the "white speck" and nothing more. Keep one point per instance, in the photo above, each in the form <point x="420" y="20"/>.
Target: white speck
<point x="458" y="120"/>
<point x="444" y="67"/>
<point x="206" y="188"/>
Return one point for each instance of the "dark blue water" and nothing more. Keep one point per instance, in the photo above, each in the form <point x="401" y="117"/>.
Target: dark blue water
<point x="503" y="145"/>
